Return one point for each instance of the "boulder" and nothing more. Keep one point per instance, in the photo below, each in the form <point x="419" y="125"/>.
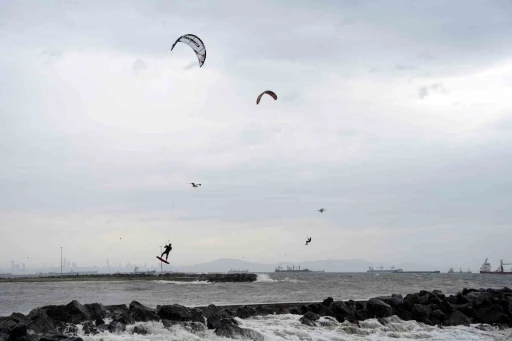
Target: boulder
<point x="68" y="329"/>
<point x="142" y="313"/>
<point x="437" y="316"/>
<point x="76" y="312"/>
<point x="341" y="310"/>
<point x="40" y="322"/>
<point x="235" y="332"/>
<point x="439" y="294"/>
<point x="53" y="337"/>
<point x="245" y="312"/>
<point x="116" y="327"/>
<point x="320" y="309"/>
<point x="457" y="318"/>
<point x="379" y="308"/>
<point x="327" y="302"/>
<point x="394" y="301"/>
<point x="89" y="329"/>
<point x="421" y="311"/>
<point x="311" y="316"/>
<point x="96" y="310"/>
<point x="178" y="312"/>
<point x="141" y="330"/>
<point x="307" y="322"/>
<point x="116" y="310"/>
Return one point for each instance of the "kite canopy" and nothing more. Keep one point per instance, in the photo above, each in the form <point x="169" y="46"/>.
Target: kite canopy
<point x="196" y="44"/>
<point x="268" y="92"/>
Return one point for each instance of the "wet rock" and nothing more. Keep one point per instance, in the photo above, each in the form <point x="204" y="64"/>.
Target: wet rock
<point x="379" y="308"/>
<point x="466" y="309"/>
<point x="176" y="312"/>
<point x="295" y="311"/>
<point x="116" y="327"/>
<point x="437" y="316"/>
<point x="76" y="312"/>
<point x="422" y="312"/>
<point x="446" y="307"/>
<point x="99" y="321"/>
<point x="142" y="313"/>
<point x="97" y="311"/>
<point x="320" y="309"/>
<point x="439" y="294"/>
<point x="363" y="314"/>
<point x="394" y="301"/>
<point x="116" y="310"/>
<point x="307" y="322"/>
<point x="457" y="318"/>
<point x="263" y="310"/>
<point x="404" y="314"/>
<point x="192" y="327"/>
<point x="68" y="329"/>
<point x="342" y="310"/>
<point x="476" y="298"/>
<point x="89" y="329"/>
<point x="245" y="312"/>
<point x="311" y="316"/>
<point x="492" y="314"/>
<point x="53" y="337"/>
<point x="40" y="322"/>
<point x="327" y="302"/>
<point x="236" y="332"/>
<point x="141" y="330"/>
<point x="327" y="321"/>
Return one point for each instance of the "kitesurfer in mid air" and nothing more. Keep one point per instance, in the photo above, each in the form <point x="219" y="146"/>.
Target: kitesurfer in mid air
<point x="168" y="249"/>
<point x="195" y="185"/>
<point x="308" y="241"/>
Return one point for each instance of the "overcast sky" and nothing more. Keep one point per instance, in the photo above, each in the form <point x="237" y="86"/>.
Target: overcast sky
<point x="395" y="116"/>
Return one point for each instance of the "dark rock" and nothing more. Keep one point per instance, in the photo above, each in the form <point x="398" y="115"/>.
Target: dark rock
<point x="236" y="332"/>
<point x="142" y="313"/>
<point x="263" y="310"/>
<point x="466" y="291"/>
<point x="320" y="309"/>
<point x="452" y="299"/>
<point x="393" y="301"/>
<point x="476" y="298"/>
<point x="295" y="311"/>
<point x="466" y="309"/>
<point x="116" y="327"/>
<point x="97" y="311"/>
<point x="363" y="314"/>
<point x="404" y="314"/>
<point x="457" y="318"/>
<point x="89" y="329"/>
<point x="439" y="294"/>
<point x="19" y="330"/>
<point x="437" y="316"/>
<point x="99" y="321"/>
<point x="342" y="310"/>
<point x="421" y="311"/>
<point x="379" y="308"/>
<point x="382" y="321"/>
<point x="103" y="327"/>
<point x="40" y="322"/>
<point x="76" y="312"/>
<point x="327" y="302"/>
<point x="328" y="321"/>
<point x="307" y="322"/>
<point x="68" y="329"/>
<point x="53" y="337"/>
<point x="140" y="330"/>
<point x="461" y="299"/>
<point x="446" y="307"/>
<point x="73" y="338"/>
<point x="492" y="314"/>
<point x="178" y="312"/>
<point x="191" y="327"/>
<point x="125" y="319"/>
<point x="311" y="316"/>
<point x="245" y="312"/>
<point x="116" y="310"/>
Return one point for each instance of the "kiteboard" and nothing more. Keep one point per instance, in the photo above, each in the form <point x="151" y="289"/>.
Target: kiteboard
<point x="163" y="260"/>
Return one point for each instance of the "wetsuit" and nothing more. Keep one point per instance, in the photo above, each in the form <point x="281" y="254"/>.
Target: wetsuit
<point x="168" y="249"/>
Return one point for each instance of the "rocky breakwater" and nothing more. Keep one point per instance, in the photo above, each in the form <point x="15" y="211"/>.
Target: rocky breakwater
<point x="60" y="322"/>
<point x="470" y="306"/>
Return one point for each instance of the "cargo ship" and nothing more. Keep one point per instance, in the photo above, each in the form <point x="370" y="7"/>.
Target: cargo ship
<point x="381" y="270"/>
<point x="486" y="268"/>
<point x="294" y="269"/>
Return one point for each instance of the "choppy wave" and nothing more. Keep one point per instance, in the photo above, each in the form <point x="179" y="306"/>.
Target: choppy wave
<point x="183" y="283"/>
<point x="264" y="278"/>
<point x="288" y="327"/>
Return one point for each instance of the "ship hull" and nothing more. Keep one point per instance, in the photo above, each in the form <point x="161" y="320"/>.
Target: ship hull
<point x="418" y="272"/>
<point x="495" y="273"/>
<point x="305" y="270"/>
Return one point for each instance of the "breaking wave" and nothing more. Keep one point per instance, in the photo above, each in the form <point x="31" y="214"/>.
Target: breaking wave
<point x="288" y="327"/>
<point x="182" y="283"/>
<point x="265" y="278"/>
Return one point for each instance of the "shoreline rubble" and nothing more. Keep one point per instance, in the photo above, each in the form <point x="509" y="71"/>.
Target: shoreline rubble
<point x="59" y="322"/>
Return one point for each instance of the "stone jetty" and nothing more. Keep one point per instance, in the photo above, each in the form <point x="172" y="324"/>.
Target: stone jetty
<point x="59" y="322"/>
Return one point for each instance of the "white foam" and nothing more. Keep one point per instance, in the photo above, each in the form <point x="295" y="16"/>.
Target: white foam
<point x="265" y="278"/>
<point x="182" y="282"/>
<point x="288" y="327"/>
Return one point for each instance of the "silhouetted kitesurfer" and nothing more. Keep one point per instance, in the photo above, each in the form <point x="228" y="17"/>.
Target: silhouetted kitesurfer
<point x="308" y="241"/>
<point x="168" y="249"/>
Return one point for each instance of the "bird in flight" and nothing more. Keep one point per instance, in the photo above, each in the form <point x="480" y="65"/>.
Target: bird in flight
<point x="195" y="185"/>
<point x="321" y="210"/>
